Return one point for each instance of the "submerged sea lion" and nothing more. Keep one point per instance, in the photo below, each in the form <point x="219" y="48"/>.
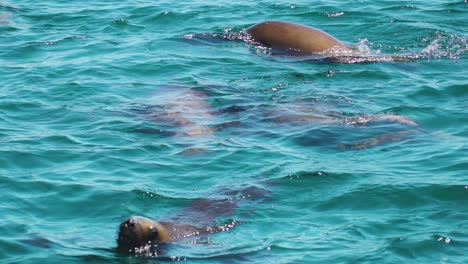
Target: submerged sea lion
<point x="314" y="128"/>
<point x="182" y="112"/>
<point x="187" y="115"/>
<point x="187" y="110"/>
<point x="295" y="37"/>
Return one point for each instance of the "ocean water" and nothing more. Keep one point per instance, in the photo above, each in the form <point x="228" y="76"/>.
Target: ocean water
<point x="116" y="108"/>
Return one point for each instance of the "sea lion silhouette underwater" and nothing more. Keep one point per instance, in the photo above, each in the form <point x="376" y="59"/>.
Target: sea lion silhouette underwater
<point x="187" y="115"/>
<point x="181" y="112"/>
<point x="286" y="38"/>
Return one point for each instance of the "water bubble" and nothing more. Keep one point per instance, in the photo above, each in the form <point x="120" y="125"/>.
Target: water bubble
<point x="444" y="239"/>
<point x="445" y="259"/>
<point x="336" y="14"/>
<point x="119" y="21"/>
<point x="189" y="36"/>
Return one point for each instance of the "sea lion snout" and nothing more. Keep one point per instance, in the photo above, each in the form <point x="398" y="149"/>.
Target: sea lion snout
<point x="128" y="227"/>
<point x="138" y="231"/>
<point x="133" y="232"/>
<point x="128" y="224"/>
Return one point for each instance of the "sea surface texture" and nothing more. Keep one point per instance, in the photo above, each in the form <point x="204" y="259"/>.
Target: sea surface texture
<point x="110" y="109"/>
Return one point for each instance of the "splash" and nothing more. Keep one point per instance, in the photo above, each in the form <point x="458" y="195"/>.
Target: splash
<point x="439" y="46"/>
<point x="444" y="45"/>
<point x="364" y="46"/>
<point x="335" y="14"/>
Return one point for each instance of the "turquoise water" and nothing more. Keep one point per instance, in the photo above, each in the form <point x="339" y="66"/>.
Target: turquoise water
<point x="112" y="108"/>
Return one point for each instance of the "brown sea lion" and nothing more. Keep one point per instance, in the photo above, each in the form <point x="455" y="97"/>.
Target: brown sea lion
<point x="140" y="234"/>
<point x="295" y="37"/>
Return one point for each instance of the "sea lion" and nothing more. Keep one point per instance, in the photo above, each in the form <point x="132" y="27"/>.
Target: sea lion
<point x="139" y="233"/>
<point x="179" y="111"/>
<point x="296" y="38"/>
<point x="311" y="127"/>
<point x="313" y="44"/>
<point x="143" y="236"/>
<point x="300" y="43"/>
<point x="187" y="110"/>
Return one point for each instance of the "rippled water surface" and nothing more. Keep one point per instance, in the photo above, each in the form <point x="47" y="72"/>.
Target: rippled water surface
<point x="117" y="108"/>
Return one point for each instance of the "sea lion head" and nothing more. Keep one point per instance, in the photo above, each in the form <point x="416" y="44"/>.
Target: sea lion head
<point x="139" y="231"/>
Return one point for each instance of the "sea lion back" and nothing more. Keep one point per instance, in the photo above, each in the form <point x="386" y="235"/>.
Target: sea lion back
<point x="290" y="36"/>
